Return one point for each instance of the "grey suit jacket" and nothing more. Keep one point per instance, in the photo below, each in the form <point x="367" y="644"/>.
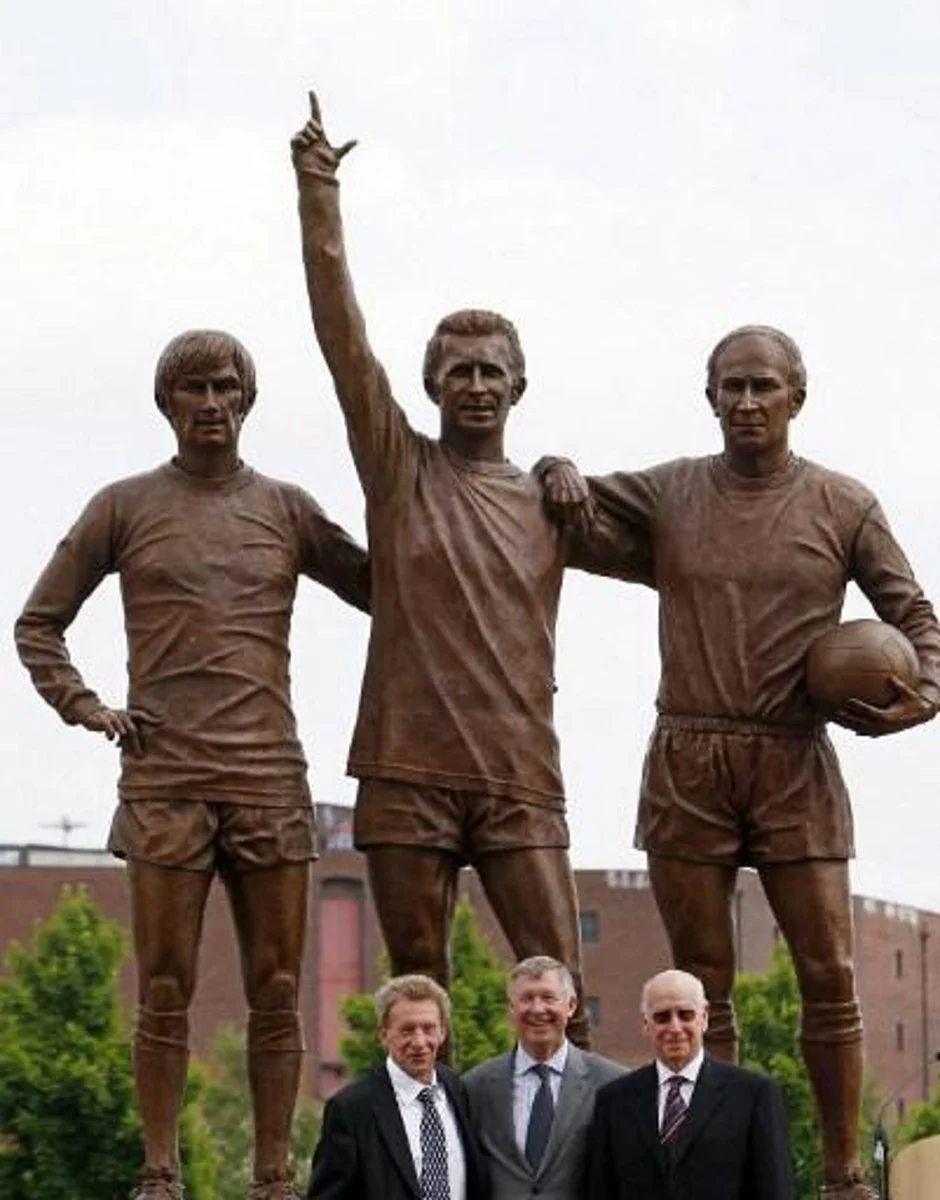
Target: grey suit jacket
<point x="560" y="1175"/>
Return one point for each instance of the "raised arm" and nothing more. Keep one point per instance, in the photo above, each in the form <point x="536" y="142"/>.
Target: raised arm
<point x="81" y="560"/>
<point x="379" y="435"/>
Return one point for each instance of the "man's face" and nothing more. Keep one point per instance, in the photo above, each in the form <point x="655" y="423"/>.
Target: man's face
<point x="539" y="1010"/>
<point x="753" y="397"/>
<point x="475" y="384"/>
<point x="206" y="407"/>
<point x="674" y="1022"/>
<point x="412" y="1036"/>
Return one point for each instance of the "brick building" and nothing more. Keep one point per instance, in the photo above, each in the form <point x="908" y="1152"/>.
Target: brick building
<point x="898" y="953"/>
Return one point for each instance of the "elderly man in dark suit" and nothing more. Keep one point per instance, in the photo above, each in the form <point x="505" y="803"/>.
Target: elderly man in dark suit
<point x="403" y="1132"/>
<point x="687" y="1126"/>
<point x="531" y="1107"/>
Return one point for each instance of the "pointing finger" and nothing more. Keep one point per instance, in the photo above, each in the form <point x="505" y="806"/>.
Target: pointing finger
<point x="314" y="107"/>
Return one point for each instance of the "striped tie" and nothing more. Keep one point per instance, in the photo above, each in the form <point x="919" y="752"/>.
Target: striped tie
<point x="674" y="1112"/>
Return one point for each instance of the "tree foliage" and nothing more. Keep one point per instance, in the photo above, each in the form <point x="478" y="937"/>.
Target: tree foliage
<point x="768" y="1008"/>
<point x="226" y="1108"/>
<point x="69" y="1129"/>
<point x="478" y="999"/>
<point x="922" y="1121"/>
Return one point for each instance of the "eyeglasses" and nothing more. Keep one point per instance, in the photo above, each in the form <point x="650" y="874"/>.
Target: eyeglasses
<point x="663" y="1016"/>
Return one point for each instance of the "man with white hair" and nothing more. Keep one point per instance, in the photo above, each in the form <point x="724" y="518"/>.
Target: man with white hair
<point x="531" y="1107"/>
<point x="687" y="1124"/>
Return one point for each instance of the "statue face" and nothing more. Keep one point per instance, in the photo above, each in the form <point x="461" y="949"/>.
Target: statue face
<point x="475" y="384"/>
<point x="753" y="397"/>
<point x="206" y="407"/>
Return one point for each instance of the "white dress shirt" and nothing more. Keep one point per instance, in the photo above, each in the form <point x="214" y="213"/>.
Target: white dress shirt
<point x="406" y="1089"/>
<point x="689" y="1073"/>
<point x="526" y="1083"/>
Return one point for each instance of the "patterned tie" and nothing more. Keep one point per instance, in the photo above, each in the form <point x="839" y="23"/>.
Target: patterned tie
<point x="435" y="1182"/>
<point x="540" y="1119"/>
<point x="674" y="1113"/>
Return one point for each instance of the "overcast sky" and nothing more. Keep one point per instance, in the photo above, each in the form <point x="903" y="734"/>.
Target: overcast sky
<point x="626" y="181"/>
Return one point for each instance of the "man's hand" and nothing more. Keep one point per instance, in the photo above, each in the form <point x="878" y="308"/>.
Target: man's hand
<point x="565" y="493"/>
<point x="311" y="152"/>
<point x="909" y="708"/>
<point x="127" y="726"/>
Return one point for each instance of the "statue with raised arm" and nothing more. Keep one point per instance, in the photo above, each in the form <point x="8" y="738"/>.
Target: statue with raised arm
<point x="213" y="777"/>
<point x="454" y="748"/>
<point x="752" y="550"/>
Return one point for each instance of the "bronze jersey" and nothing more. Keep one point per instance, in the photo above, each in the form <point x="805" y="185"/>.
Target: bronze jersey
<point x="208" y="573"/>
<point x="751" y="571"/>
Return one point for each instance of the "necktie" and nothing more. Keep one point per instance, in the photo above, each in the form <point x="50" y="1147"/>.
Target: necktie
<point x="540" y="1119"/>
<point x="674" y="1113"/>
<point x="435" y="1184"/>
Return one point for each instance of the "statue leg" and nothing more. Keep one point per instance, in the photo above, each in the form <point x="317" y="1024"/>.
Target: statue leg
<point x="167" y="906"/>
<point x="812" y="904"/>
<point x="414" y="889"/>
<point x="532" y="893"/>
<point x="694" y="902"/>
<point x="269" y="907"/>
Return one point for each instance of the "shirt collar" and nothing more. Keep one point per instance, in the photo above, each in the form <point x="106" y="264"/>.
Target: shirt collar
<point x="689" y="1071"/>
<point x="405" y="1086"/>
<point x="524" y="1060"/>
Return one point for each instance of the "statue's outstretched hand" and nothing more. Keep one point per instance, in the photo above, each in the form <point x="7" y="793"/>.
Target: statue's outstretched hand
<point x="565" y="493"/>
<point x="128" y="727"/>
<point x="311" y="152"/>
<point x="909" y="708"/>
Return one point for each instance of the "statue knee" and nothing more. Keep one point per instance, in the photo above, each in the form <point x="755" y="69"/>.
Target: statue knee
<point x="165" y="994"/>
<point x="277" y="993"/>
<point x="826" y="980"/>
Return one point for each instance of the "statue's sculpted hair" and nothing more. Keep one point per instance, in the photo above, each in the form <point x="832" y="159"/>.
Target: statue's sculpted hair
<point x="797" y="371"/>
<point x="470" y="322"/>
<point x="199" y="350"/>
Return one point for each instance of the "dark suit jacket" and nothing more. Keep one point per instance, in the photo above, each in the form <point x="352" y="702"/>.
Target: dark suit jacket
<point x="363" y="1151"/>
<point x="733" y="1144"/>
<point x="560" y="1175"/>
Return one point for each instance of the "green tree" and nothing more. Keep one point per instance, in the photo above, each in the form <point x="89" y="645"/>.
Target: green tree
<point x="768" y="1008"/>
<point x="226" y="1108"/>
<point x="478" y="999"/>
<point x="70" y="1129"/>
<point x="922" y="1121"/>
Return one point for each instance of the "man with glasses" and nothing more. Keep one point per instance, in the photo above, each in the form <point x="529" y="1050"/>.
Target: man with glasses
<point x="687" y="1124"/>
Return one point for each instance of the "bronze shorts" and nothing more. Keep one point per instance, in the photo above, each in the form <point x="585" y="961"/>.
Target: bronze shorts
<point x="467" y="824"/>
<point x="198" y="835"/>
<point x="741" y="795"/>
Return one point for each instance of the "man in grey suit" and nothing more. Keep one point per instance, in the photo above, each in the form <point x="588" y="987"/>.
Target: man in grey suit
<point x="531" y="1107"/>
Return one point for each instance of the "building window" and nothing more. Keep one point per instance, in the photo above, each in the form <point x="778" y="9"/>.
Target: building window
<point x="899" y="1036"/>
<point x="592" y="1006"/>
<point x="899" y="964"/>
<point x="590" y="927"/>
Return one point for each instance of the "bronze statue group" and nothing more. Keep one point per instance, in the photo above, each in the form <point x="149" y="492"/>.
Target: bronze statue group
<point x="750" y="551"/>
